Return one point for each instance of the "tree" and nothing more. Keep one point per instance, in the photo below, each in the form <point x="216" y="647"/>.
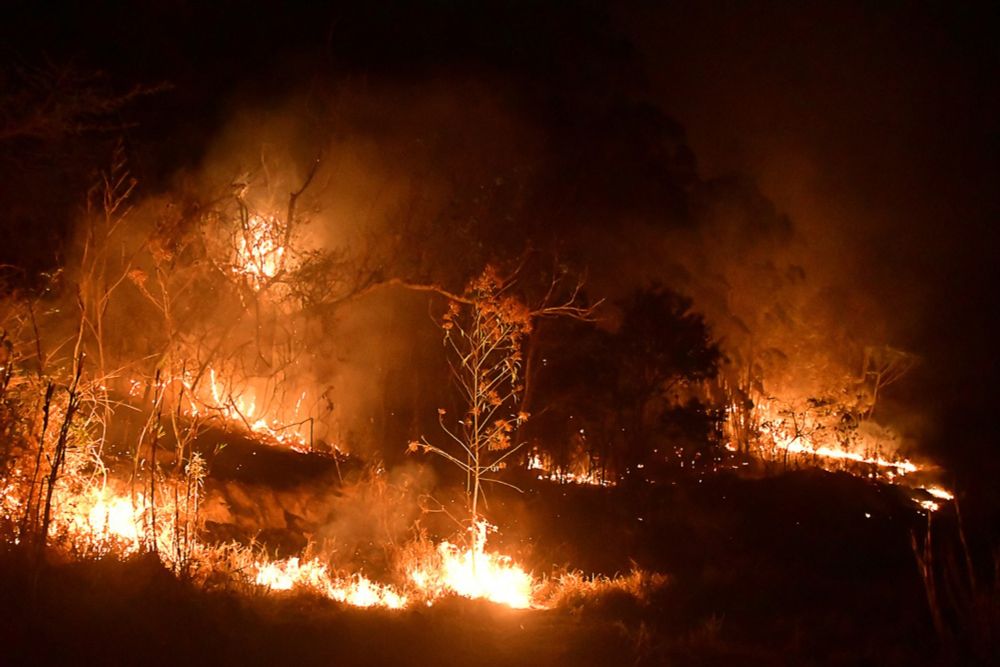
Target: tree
<point x="661" y="343"/>
<point x="603" y="394"/>
<point x="484" y="336"/>
<point x="884" y="365"/>
<point x="575" y="393"/>
<point x="485" y="330"/>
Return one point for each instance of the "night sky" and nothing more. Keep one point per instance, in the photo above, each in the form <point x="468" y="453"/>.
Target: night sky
<point x="871" y="126"/>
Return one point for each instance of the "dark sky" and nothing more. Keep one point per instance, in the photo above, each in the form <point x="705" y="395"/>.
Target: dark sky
<point x="873" y="125"/>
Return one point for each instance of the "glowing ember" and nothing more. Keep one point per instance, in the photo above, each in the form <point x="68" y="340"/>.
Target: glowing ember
<point x="474" y="573"/>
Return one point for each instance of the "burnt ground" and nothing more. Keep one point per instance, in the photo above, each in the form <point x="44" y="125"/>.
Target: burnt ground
<point x="805" y="568"/>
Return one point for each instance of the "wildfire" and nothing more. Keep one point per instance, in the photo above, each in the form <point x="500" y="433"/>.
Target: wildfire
<point x="939" y="492"/>
<point x="474" y="573"/>
<point x="237" y="406"/>
<point x="260" y="251"/>
<point x="541" y="463"/>
<point x="357" y="590"/>
<point x="471" y="573"/>
<point x="100" y="521"/>
<point x="97" y="520"/>
<point x="113" y="516"/>
<point x="799" y="445"/>
<point x="800" y="434"/>
<point x="929" y="505"/>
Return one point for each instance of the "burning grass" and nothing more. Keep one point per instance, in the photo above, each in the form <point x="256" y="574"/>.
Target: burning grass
<point x="65" y="497"/>
<point x="92" y="519"/>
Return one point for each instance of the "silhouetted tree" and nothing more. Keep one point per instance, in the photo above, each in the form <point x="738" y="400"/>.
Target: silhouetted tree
<point x="621" y="389"/>
<point x="661" y="344"/>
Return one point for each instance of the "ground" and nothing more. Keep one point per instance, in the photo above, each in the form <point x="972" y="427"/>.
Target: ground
<point x="803" y="568"/>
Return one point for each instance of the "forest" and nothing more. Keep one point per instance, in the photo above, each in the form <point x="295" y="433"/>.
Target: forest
<point x="423" y="334"/>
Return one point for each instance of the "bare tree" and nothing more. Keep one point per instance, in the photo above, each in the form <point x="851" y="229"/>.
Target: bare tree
<point x="884" y="365"/>
<point x="485" y="331"/>
<point x="51" y="100"/>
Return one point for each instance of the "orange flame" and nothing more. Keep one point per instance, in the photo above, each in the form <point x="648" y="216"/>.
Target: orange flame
<point x="474" y="573"/>
<point x="259" y="251"/>
<point x="357" y="590"/>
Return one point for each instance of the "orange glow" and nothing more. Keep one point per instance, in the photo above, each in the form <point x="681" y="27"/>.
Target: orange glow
<point x="542" y="463"/>
<point x="474" y="573"/>
<point x="357" y="590"/>
<point x="783" y="436"/>
<point x="251" y="406"/>
<point x="801" y="446"/>
<point x="259" y="250"/>
<point x="939" y="492"/>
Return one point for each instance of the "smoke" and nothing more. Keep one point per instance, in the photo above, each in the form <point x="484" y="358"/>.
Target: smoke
<point x="870" y="128"/>
<point x="799" y="185"/>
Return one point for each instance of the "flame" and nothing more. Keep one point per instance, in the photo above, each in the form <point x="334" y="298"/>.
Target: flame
<point x="89" y="522"/>
<point x="929" y="505"/>
<point x="113" y="516"/>
<point x="939" y="492"/>
<point x="542" y="463"/>
<point x="776" y="434"/>
<point x="236" y="405"/>
<point x="357" y="590"/>
<point x="799" y="445"/>
<point x="259" y="250"/>
<point x="471" y="573"/>
<point x="474" y="573"/>
<point x="98" y="520"/>
<point x="936" y="491"/>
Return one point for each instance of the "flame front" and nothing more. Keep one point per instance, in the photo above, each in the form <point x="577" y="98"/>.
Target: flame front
<point x="781" y="435"/>
<point x="474" y="573"/>
<point x="357" y="590"/>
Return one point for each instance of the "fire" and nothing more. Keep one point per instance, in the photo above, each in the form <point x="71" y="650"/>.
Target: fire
<point x="113" y="516"/>
<point x="106" y="518"/>
<point x="939" y="492"/>
<point x="260" y="252"/>
<point x="542" y="463"/>
<point x="799" y="445"/>
<point x="357" y="590"/>
<point x="798" y="435"/>
<point x="251" y="406"/>
<point x="474" y="573"/>
<point x="929" y="505"/>
<point x="98" y="520"/>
